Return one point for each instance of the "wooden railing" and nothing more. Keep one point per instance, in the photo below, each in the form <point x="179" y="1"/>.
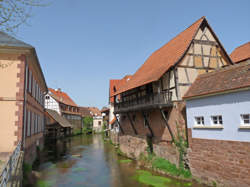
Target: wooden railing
<point x="149" y="100"/>
<point x="11" y="175"/>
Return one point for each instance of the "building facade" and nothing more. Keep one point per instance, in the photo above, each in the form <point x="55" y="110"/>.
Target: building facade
<point x="21" y="97"/>
<point x="60" y="101"/>
<point x="218" y="119"/>
<point x="150" y="104"/>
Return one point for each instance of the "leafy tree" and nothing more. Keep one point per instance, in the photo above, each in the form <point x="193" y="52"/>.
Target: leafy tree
<point x="88" y="122"/>
<point x="14" y="13"/>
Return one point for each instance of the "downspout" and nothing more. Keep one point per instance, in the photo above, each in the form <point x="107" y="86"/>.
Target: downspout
<point x="24" y="105"/>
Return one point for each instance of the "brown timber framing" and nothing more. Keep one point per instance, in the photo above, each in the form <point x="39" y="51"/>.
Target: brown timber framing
<point x="193" y="67"/>
<point x="166" y="122"/>
<point x="199" y="55"/>
<point x="148" y="125"/>
<point x="205" y="42"/>
<point x="132" y="124"/>
<point x="176" y="83"/>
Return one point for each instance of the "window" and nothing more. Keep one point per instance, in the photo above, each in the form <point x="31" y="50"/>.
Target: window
<point x="99" y="123"/>
<point x="217" y="120"/>
<point x="28" y="124"/>
<point x="30" y="81"/>
<point x="47" y="97"/>
<point x="199" y="120"/>
<point x="245" y="119"/>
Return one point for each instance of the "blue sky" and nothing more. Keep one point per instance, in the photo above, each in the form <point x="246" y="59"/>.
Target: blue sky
<point x="82" y="44"/>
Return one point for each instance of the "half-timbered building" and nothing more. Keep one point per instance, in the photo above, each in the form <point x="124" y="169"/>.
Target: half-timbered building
<point x="60" y="101"/>
<point x="150" y="104"/>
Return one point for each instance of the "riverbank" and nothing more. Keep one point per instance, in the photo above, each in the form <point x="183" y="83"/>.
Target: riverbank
<point x="87" y="160"/>
<point x="161" y="166"/>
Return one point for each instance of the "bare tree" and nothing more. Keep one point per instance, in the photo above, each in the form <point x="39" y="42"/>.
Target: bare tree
<point x="14" y="13"/>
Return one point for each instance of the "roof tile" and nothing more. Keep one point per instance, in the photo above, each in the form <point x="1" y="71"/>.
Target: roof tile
<point x="162" y="59"/>
<point x="241" y="53"/>
<point x="226" y="79"/>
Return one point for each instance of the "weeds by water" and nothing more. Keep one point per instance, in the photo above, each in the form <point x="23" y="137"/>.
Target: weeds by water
<point x="145" y="177"/>
<point x="166" y="166"/>
<point x="125" y="161"/>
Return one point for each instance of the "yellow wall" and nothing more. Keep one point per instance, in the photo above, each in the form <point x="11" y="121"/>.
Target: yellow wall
<point x="8" y="82"/>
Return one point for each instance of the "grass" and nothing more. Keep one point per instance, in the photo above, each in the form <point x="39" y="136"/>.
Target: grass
<point x="125" y="161"/>
<point x="147" y="178"/>
<point x="45" y="183"/>
<point x="166" y="166"/>
<point x="78" y="169"/>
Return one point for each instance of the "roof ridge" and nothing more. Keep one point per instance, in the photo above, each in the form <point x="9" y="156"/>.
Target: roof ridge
<point x="203" y="17"/>
<point x="242" y="45"/>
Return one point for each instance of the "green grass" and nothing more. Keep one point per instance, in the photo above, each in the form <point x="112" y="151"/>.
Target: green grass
<point x="45" y="183"/>
<point x="78" y="169"/>
<point x="147" y="178"/>
<point x="170" y="168"/>
<point x="125" y="161"/>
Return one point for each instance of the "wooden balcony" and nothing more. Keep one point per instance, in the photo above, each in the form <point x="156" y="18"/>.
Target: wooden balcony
<point x="147" y="102"/>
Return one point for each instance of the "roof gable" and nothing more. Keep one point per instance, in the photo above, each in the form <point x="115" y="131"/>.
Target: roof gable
<point x="164" y="58"/>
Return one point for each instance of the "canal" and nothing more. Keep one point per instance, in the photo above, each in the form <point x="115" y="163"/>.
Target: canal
<point x="88" y="161"/>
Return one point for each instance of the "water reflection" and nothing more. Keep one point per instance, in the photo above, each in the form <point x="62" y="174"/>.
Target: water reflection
<point x="86" y="161"/>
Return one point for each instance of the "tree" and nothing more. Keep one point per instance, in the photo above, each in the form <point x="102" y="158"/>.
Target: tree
<point x="14" y="13"/>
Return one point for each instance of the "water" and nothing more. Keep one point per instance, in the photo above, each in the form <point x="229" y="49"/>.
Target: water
<point x="88" y="161"/>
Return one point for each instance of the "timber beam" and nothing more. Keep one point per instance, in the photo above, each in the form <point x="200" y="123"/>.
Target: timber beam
<point x="132" y="124"/>
<point x="205" y="42"/>
<point x="200" y="55"/>
<point x="147" y="123"/>
<point x="167" y="125"/>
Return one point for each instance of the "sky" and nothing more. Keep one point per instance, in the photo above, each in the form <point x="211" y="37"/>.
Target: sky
<point x="82" y="44"/>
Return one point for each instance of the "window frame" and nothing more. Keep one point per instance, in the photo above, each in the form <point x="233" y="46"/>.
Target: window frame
<point x="201" y="118"/>
<point x="243" y="120"/>
<point x="218" y="120"/>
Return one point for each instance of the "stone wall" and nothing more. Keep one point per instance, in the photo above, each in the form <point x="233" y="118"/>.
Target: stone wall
<point x="134" y="144"/>
<point x="225" y="162"/>
<point x="114" y="137"/>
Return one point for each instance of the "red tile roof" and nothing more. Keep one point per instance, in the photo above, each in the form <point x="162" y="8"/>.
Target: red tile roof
<point x="241" y="53"/>
<point x="62" y="97"/>
<point x="116" y="84"/>
<point x="226" y="79"/>
<point x="94" y="111"/>
<point x="163" y="59"/>
<point x="112" y="121"/>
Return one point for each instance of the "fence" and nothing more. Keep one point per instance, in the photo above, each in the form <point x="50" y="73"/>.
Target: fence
<point x="11" y="175"/>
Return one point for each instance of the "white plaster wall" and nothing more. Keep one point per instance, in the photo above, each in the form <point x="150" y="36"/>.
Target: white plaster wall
<point x="52" y="104"/>
<point x="230" y="106"/>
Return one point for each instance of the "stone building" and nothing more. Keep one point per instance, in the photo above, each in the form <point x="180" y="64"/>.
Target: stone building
<point x="21" y="97"/>
<point x="151" y="107"/>
<point x="218" y="119"/>
<point x="60" y="101"/>
<point x="241" y="53"/>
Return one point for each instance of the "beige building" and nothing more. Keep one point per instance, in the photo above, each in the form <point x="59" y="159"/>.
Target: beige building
<point x="21" y="97"/>
<point x="151" y="106"/>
